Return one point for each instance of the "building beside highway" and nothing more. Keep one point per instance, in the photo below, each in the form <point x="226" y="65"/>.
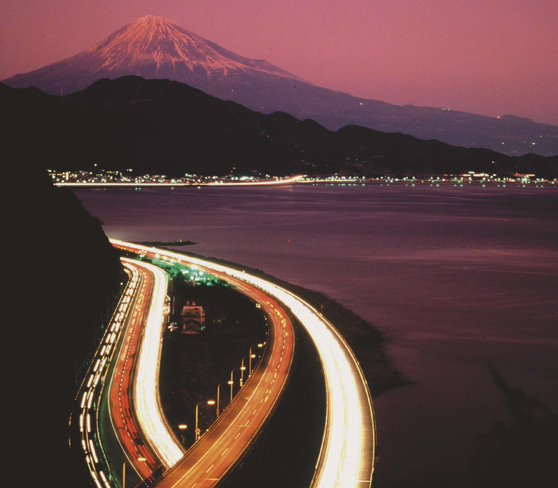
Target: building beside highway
<point x="193" y="318"/>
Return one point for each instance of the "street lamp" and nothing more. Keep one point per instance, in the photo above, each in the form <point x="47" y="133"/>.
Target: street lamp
<point x="142" y="459"/>
<point x="252" y="356"/>
<point x="242" y="369"/>
<point x="209" y="402"/>
<point x="182" y="427"/>
<point x="231" y="382"/>
<point x="218" y="396"/>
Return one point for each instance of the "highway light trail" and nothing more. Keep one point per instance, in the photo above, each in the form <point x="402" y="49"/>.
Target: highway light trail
<point x="91" y="390"/>
<point x="146" y="397"/>
<point x="348" y="447"/>
<point x="146" y="383"/>
<point x="219" y="448"/>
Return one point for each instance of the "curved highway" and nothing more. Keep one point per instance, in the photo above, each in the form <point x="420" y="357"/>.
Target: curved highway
<point x="132" y="344"/>
<point x="348" y="446"/>
<point x="126" y="374"/>
<point x="92" y="388"/>
<point x="147" y="408"/>
<point x="218" y="450"/>
<point x="129" y="356"/>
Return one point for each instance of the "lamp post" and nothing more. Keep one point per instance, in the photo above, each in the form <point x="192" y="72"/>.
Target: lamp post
<point x="218" y="396"/>
<point x="182" y="427"/>
<point x="209" y="402"/>
<point x="231" y="382"/>
<point x="252" y="356"/>
<point x="242" y="369"/>
<point x="124" y="471"/>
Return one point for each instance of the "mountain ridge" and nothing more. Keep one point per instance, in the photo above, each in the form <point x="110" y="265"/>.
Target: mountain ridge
<point x="158" y="48"/>
<point x="166" y="127"/>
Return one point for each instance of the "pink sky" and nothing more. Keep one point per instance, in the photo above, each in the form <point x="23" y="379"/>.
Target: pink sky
<point x="493" y="57"/>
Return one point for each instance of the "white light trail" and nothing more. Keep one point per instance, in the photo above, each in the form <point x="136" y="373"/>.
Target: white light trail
<point x="92" y="446"/>
<point x="146" y="392"/>
<point x="96" y="480"/>
<point x="345" y="444"/>
<point x="89" y="393"/>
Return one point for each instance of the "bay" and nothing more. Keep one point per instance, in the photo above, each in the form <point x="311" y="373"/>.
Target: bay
<point x="454" y="276"/>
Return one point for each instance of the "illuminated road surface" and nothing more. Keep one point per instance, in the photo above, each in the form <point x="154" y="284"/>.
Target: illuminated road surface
<point x="348" y="447"/>
<point x="238" y="426"/>
<point x="92" y="388"/>
<point x="155" y="430"/>
<point x="129" y="381"/>
<point x="120" y="406"/>
<point x="134" y="408"/>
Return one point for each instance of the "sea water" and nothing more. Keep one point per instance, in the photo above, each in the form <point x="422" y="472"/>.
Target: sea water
<point x="454" y="276"/>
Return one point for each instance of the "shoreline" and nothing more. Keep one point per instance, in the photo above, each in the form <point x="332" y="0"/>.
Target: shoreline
<point x="326" y="182"/>
<point x="367" y="342"/>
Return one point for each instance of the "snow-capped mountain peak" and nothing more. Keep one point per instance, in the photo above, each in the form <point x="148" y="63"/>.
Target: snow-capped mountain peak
<point x="150" y="47"/>
<point x="156" y="47"/>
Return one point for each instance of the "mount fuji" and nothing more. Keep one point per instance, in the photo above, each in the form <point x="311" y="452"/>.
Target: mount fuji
<point x="158" y="48"/>
<point x="153" y="48"/>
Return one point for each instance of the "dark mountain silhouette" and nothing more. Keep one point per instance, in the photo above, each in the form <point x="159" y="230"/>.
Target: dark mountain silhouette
<point x="153" y="47"/>
<point x="70" y="276"/>
<point x="165" y="127"/>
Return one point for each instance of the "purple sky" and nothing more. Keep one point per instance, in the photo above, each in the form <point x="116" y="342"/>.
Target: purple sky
<point x="493" y="57"/>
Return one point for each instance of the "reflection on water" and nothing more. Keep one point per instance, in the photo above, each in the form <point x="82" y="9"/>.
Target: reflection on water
<point x="454" y="276"/>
